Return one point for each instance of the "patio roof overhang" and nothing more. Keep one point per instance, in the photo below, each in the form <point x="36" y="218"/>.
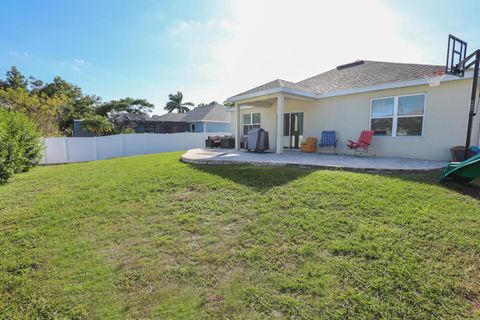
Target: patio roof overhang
<point x="273" y="93"/>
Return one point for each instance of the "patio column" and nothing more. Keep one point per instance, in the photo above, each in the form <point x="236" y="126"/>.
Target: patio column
<point x="237" y="126"/>
<point x="280" y="112"/>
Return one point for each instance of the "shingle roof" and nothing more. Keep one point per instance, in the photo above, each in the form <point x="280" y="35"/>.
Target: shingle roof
<point x="131" y="117"/>
<point x="174" y="117"/>
<point x="211" y="112"/>
<point x="369" y="73"/>
<point x="279" y="83"/>
<point x="359" y="74"/>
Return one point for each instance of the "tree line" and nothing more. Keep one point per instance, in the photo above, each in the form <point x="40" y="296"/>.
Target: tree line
<point x="53" y="106"/>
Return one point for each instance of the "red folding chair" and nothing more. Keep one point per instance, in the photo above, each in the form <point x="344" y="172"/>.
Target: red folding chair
<point x="363" y="142"/>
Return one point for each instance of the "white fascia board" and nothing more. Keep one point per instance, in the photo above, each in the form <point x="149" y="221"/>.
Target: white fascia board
<point x="216" y="121"/>
<point x="273" y="91"/>
<point x="386" y="86"/>
<point x="241" y="108"/>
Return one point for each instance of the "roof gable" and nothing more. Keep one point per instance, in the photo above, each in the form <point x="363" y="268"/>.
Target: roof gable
<point x="279" y="83"/>
<point x="211" y="112"/>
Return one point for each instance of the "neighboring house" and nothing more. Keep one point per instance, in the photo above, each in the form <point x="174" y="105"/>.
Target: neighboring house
<point x="146" y="124"/>
<point x="410" y="118"/>
<point x="209" y="118"/>
<point x="172" y="123"/>
<point x="141" y="124"/>
<point x="79" y="131"/>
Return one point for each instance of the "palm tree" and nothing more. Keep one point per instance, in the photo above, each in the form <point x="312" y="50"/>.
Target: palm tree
<point x="175" y="103"/>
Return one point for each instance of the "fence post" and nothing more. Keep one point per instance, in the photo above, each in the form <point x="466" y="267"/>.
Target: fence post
<point x="147" y="143"/>
<point x="95" y="147"/>
<point x="123" y="144"/>
<point x="65" y="148"/>
<point x="45" y="156"/>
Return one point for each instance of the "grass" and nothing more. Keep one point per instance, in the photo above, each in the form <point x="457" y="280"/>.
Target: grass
<point x="151" y="237"/>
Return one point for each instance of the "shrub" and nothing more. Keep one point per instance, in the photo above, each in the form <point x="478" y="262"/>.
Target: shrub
<point x="20" y="144"/>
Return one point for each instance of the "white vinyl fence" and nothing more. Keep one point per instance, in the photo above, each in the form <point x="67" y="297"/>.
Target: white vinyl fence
<point x="64" y="150"/>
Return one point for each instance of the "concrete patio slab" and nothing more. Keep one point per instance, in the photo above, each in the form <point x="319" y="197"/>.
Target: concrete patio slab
<point x="314" y="160"/>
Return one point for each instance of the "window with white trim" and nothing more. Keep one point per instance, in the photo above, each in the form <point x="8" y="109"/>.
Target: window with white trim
<point x="398" y="115"/>
<point x="251" y="120"/>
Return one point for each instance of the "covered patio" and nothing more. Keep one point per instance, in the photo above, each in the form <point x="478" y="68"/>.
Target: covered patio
<point x="314" y="160"/>
<point x="275" y="100"/>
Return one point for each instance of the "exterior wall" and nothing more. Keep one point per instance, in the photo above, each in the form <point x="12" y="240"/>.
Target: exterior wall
<point x="197" y="127"/>
<point x="268" y="118"/>
<point x="211" y="127"/>
<point x="444" y="125"/>
<point x="218" y="127"/>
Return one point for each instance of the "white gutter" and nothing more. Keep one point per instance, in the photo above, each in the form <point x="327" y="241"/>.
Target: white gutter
<point x="386" y="86"/>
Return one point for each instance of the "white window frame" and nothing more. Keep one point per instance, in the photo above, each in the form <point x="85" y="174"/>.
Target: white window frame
<point x="395" y="114"/>
<point x="251" y="120"/>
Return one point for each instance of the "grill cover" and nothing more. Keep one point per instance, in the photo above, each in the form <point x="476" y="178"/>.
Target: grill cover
<point x="257" y="140"/>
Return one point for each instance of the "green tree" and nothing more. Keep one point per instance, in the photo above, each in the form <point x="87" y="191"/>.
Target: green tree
<point x="114" y="108"/>
<point x="20" y="144"/>
<point x="76" y="106"/>
<point x="77" y="109"/>
<point x="176" y="103"/>
<point x="98" y="125"/>
<point x="35" y="84"/>
<point x="14" y="79"/>
<point x="40" y="108"/>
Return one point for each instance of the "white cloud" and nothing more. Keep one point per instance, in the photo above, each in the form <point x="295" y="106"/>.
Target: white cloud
<point x="292" y="40"/>
<point x="19" y="54"/>
<point x="78" y="64"/>
<point x="183" y="26"/>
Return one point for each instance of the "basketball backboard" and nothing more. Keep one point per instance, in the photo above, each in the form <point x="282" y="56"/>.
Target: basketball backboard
<point x="456" y="53"/>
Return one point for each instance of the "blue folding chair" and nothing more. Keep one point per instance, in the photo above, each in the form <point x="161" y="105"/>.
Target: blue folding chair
<point x="328" y="142"/>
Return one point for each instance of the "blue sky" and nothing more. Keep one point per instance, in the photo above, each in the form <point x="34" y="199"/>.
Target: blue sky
<point x="212" y="49"/>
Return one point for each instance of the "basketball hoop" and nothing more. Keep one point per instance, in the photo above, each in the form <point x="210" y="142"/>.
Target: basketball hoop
<point x="435" y="77"/>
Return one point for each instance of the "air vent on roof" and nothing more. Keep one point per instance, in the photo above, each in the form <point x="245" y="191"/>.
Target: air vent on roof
<point x="349" y="65"/>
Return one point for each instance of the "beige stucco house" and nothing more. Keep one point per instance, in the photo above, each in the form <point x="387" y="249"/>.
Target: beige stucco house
<point x="411" y="118"/>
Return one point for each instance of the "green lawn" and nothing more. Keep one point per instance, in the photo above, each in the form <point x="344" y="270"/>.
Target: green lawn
<point x="152" y="237"/>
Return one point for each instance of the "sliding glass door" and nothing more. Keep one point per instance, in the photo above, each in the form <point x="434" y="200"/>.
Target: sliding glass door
<point x="292" y="130"/>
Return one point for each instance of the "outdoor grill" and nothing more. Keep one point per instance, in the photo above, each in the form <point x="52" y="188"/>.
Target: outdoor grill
<point x="257" y="140"/>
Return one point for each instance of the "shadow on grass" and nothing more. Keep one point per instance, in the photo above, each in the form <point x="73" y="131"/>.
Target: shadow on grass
<point x="260" y="178"/>
<point x="471" y="189"/>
